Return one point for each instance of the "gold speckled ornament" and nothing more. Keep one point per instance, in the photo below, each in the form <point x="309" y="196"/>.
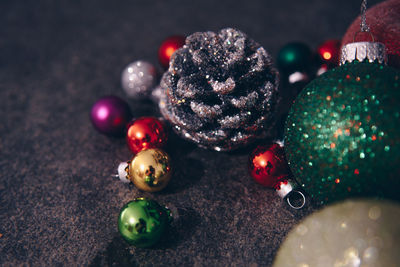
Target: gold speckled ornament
<point x="150" y="170"/>
<point x="352" y="233"/>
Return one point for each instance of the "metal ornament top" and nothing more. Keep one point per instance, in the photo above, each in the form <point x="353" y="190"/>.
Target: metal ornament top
<point x="362" y="51"/>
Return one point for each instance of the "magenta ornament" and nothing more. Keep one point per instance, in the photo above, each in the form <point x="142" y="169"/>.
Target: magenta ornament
<point x="110" y="115"/>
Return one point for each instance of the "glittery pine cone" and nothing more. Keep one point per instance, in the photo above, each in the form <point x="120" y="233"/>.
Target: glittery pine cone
<point x="220" y="90"/>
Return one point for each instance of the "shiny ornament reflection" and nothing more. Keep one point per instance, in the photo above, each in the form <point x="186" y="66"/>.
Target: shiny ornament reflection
<point x="267" y="165"/>
<point x="138" y="79"/>
<point x="145" y="133"/>
<point x="353" y="233"/>
<point x="150" y="170"/>
<point x="142" y="222"/>
<point x="110" y="115"/>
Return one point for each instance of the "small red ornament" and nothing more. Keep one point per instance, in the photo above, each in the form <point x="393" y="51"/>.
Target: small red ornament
<point x="268" y="166"/>
<point x="168" y="47"/>
<point x="144" y="133"/>
<point x="329" y="52"/>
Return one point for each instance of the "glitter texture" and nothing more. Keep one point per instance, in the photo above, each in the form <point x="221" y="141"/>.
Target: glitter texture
<point x="342" y="135"/>
<point x="348" y="234"/>
<point x="138" y="79"/>
<point x="220" y="90"/>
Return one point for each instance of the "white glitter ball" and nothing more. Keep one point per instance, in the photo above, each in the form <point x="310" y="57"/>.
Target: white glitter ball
<point x="138" y="79"/>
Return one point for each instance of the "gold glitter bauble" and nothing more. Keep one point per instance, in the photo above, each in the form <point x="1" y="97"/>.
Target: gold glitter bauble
<point x="352" y="233"/>
<point x="150" y="170"/>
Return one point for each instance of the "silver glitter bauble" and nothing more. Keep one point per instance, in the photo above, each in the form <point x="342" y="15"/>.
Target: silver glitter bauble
<point x="138" y="79"/>
<point x="221" y="90"/>
<point x="352" y="233"/>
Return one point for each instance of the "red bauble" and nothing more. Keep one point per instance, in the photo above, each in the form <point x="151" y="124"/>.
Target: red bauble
<point x="268" y="166"/>
<point x="144" y="133"/>
<point x="329" y="52"/>
<point x="384" y="23"/>
<point x="168" y="47"/>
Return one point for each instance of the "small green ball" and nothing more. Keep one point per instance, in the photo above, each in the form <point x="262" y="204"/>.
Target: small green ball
<point x="142" y="222"/>
<point x="294" y="57"/>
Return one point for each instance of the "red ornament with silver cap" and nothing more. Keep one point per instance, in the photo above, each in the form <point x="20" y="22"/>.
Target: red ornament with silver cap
<point x="268" y="166"/>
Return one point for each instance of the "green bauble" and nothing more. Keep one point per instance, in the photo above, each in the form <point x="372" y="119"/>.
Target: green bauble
<point x="142" y="222"/>
<point x="343" y="136"/>
<point x="294" y="57"/>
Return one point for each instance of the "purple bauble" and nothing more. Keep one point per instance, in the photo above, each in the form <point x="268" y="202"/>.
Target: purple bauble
<point x="110" y="115"/>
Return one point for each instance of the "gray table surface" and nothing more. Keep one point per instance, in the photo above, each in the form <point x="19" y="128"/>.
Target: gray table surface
<point x="58" y="203"/>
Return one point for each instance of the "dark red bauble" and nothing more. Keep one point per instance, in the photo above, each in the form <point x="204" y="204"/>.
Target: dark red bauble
<point x="383" y="20"/>
<point x="329" y="52"/>
<point x="168" y="47"/>
<point x="267" y="165"/>
<point x="145" y="133"/>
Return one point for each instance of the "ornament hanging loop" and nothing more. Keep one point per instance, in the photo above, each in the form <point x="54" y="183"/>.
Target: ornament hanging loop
<point x="288" y="190"/>
<point x="357" y="33"/>
<point x="299" y="194"/>
<point x="363" y="24"/>
<point x="364" y="28"/>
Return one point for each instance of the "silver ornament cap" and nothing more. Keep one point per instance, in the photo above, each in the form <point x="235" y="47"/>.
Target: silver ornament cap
<point x="363" y="51"/>
<point x="288" y="190"/>
<point x="123" y="172"/>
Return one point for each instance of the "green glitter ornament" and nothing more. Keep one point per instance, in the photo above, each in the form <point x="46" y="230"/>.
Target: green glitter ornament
<point x="142" y="222"/>
<point x="342" y="135"/>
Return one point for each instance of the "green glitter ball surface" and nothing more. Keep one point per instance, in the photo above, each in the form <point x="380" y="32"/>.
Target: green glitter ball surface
<point x="142" y="222"/>
<point x="342" y="135"/>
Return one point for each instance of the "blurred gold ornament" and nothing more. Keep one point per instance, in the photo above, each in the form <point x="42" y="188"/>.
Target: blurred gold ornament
<point x="361" y="232"/>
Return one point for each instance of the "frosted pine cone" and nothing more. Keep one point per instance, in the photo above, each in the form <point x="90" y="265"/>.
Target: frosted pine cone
<point x="220" y="90"/>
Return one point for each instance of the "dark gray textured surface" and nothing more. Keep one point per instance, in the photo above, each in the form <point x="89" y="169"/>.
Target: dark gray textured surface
<point x="58" y="203"/>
